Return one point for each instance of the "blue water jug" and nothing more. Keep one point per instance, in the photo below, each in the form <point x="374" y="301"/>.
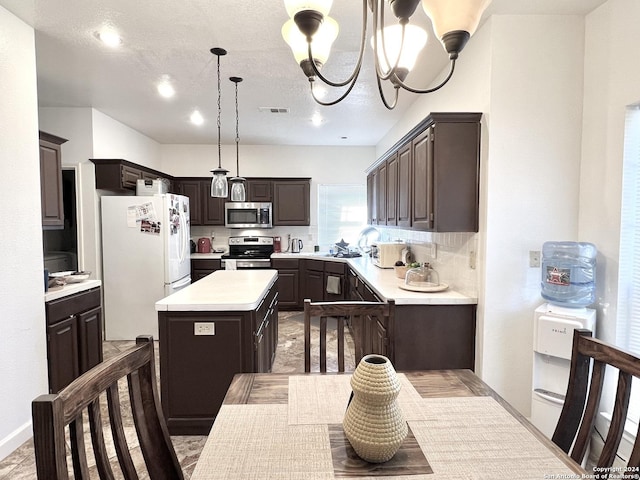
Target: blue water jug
<point x="569" y="273"/>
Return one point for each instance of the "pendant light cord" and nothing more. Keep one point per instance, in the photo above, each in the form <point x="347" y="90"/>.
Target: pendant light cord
<point x="219" y="113"/>
<point x="237" y="136"/>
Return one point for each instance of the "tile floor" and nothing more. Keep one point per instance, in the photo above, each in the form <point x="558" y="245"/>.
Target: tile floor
<point x="289" y="359"/>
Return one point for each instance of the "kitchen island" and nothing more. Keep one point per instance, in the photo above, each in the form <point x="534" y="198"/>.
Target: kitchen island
<point x="223" y="324"/>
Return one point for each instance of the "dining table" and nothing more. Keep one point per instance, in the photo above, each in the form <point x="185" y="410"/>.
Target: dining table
<point x="289" y="426"/>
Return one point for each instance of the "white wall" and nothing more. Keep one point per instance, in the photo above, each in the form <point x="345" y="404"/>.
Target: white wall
<point x="525" y="74"/>
<point x="23" y="373"/>
<point x="322" y="164"/>
<point x="611" y="82"/>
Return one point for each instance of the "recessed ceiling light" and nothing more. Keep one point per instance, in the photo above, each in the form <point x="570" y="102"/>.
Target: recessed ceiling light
<point x="109" y="36"/>
<point x="196" y="118"/>
<point x="320" y="91"/>
<point x="317" y="119"/>
<point x="165" y="89"/>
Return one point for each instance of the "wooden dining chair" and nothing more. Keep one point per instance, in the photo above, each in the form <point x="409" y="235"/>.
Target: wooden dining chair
<point x="52" y="414"/>
<point x="356" y="313"/>
<point x="589" y="359"/>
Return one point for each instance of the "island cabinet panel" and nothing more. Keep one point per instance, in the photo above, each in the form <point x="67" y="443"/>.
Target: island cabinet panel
<point x="196" y="370"/>
<point x="201" y="351"/>
<point x="434" y="337"/>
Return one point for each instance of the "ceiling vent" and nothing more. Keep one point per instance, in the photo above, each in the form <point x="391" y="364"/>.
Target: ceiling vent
<point x="273" y="110"/>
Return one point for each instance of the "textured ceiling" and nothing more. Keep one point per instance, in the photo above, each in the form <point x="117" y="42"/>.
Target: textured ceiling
<point x="165" y="37"/>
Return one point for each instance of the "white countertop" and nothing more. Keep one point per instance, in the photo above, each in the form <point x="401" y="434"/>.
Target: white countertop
<point x="223" y="290"/>
<point x="385" y="284"/>
<point x="69" y="289"/>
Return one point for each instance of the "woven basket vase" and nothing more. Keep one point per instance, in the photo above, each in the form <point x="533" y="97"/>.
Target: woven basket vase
<point x="373" y="423"/>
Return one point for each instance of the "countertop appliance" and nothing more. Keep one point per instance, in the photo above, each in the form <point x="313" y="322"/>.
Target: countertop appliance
<point x="248" y="252"/>
<point x="204" y="245"/>
<point x="248" y="215"/>
<point x="296" y="245"/>
<point x="145" y="257"/>
<point x="386" y="254"/>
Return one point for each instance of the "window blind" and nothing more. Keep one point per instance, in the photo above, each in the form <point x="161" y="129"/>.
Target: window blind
<point x="342" y="214"/>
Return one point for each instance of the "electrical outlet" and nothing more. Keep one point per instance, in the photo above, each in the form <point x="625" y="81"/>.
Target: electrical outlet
<point x="534" y="258"/>
<point x="472" y="260"/>
<point x="204" y="328"/>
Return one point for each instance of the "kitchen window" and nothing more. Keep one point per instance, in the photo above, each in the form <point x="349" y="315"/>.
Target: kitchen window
<point x="342" y="214"/>
<point x="628" y="321"/>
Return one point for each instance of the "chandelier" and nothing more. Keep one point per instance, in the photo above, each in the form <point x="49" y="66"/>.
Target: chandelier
<point x="310" y="32"/>
<point x="219" y="185"/>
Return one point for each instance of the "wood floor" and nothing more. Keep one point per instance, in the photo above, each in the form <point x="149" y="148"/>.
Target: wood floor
<point x="289" y="359"/>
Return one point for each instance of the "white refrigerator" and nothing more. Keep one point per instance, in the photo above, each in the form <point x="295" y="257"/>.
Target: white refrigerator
<point x="145" y="257"/>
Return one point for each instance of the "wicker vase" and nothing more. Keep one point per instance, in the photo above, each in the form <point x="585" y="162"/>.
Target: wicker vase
<point x="373" y="423"/>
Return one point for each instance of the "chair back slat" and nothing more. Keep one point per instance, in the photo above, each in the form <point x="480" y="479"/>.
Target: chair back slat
<point x="356" y="312"/>
<point x="117" y="432"/>
<point x="589" y="360"/>
<point x="53" y="413"/>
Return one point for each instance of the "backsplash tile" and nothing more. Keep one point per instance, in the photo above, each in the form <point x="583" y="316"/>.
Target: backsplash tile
<point x="453" y="253"/>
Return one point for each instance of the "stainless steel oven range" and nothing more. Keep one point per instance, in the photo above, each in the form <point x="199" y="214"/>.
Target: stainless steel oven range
<point x="249" y="252"/>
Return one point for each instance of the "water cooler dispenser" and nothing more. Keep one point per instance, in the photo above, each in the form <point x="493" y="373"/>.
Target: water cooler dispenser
<point x="568" y="284"/>
<point x="552" y="345"/>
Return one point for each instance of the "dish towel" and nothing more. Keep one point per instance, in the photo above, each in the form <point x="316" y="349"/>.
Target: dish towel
<point x="230" y="264"/>
<point x="333" y="285"/>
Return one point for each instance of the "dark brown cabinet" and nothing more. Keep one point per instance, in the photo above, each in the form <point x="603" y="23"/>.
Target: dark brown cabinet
<point x="196" y="370"/>
<point x="313" y="279"/>
<point x="51" y="181"/>
<point x="259" y="190"/>
<point x="117" y="174"/>
<point x="430" y="179"/>
<point x="201" y="267"/>
<point x="205" y="209"/>
<point x="337" y="270"/>
<point x="422" y="337"/>
<point x="74" y="336"/>
<point x="291" y="201"/>
<point x="288" y="283"/>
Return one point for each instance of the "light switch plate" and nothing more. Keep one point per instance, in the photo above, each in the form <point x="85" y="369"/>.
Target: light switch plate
<point x="534" y="258"/>
<point x="204" y="328"/>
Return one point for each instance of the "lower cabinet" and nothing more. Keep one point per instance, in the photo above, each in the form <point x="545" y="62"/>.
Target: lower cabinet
<point x="288" y="283"/>
<point x="202" y="267"/>
<point x="200" y="352"/>
<point x="317" y="285"/>
<point x="74" y="337"/>
<point x="422" y="337"/>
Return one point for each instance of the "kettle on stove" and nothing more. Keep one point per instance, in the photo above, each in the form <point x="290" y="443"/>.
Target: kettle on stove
<point x="296" y="245"/>
<point x="204" y="245"/>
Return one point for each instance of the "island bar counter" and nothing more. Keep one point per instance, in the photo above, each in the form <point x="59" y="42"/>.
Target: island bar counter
<point x="224" y="324"/>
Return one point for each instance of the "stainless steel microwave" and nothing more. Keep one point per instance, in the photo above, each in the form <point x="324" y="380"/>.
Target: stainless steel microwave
<point x="248" y="215"/>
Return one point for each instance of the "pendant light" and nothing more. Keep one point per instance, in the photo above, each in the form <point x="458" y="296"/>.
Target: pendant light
<point x="238" y="190"/>
<point x="219" y="186"/>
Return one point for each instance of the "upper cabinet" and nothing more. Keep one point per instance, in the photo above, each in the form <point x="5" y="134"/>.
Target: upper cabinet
<point x="430" y="179"/>
<point x="291" y="201"/>
<point x="118" y="174"/>
<point x="51" y="181"/>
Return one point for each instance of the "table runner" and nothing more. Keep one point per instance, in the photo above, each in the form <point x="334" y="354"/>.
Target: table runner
<point x="461" y="438"/>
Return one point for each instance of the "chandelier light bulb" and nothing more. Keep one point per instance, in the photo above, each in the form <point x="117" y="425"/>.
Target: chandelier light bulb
<point x="414" y="41"/>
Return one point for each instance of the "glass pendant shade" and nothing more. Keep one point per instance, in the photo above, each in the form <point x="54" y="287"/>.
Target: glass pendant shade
<point x="454" y="15"/>
<point x="414" y="41"/>
<point x="321" y="44"/>
<point x="219" y="186"/>
<point x="238" y="191"/>
<point x="295" y="6"/>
